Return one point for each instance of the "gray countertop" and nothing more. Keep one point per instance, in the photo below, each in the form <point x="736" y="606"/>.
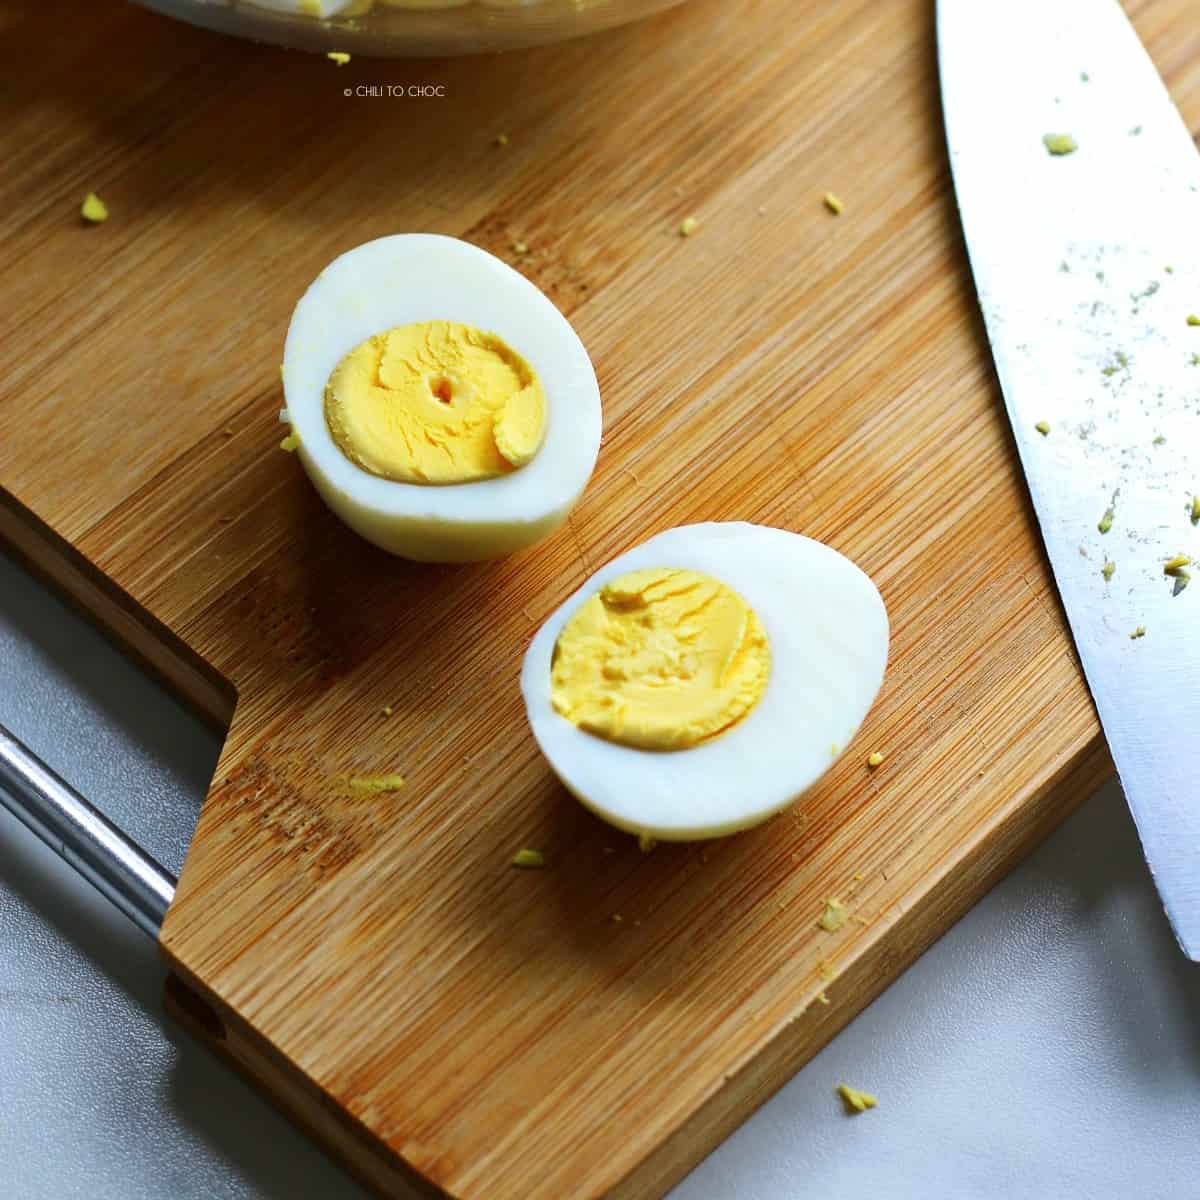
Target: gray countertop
<point x="1048" y="1045"/>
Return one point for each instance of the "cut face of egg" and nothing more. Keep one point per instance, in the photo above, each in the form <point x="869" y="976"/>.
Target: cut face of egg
<point x="440" y="403"/>
<point x="700" y="683"/>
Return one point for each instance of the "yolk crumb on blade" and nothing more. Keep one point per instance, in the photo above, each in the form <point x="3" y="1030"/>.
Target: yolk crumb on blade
<point x="660" y="659"/>
<point x="854" y="1100"/>
<point x="1060" y="143"/>
<point x="436" y="403"/>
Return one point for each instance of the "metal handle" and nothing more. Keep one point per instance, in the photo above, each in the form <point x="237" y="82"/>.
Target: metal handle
<point x="111" y="862"/>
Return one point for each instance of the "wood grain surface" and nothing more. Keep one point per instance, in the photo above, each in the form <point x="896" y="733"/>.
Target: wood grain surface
<point x="375" y="962"/>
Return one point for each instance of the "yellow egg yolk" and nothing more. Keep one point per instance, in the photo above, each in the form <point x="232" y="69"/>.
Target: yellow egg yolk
<point x="660" y="659"/>
<point x="437" y="402"/>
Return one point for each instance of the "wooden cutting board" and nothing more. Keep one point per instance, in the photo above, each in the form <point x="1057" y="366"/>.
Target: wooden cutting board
<point x="376" y="964"/>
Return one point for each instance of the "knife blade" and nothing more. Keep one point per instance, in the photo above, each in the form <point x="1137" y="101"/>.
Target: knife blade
<point x="1087" y="267"/>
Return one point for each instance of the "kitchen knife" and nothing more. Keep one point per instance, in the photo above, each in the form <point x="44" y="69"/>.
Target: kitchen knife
<point x="1079" y="190"/>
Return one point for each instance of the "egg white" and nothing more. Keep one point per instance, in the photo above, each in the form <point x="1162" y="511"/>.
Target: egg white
<point x="828" y="633"/>
<point x="402" y="280"/>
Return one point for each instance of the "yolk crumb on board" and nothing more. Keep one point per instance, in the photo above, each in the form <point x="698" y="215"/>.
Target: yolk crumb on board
<point x="834" y="916"/>
<point x="688" y="226"/>
<point x="874" y="759"/>
<point x="529" y="858"/>
<point x="373" y="785"/>
<point x="387" y="710"/>
<point x="93" y="209"/>
<point x="1043" y="427"/>
<point x="501" y="139"/>
<point x="338" y="56"/>
<point x="291" y="443"/>
<point x="833" y="203"/>
<point x="646" y="843"/>
<point x="520" y="247"/>
<point x="854" y="1100"/>
<point x="1060" y="143"/>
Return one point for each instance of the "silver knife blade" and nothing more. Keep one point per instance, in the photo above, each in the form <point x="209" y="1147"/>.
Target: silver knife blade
<point x="1087" y="266"/>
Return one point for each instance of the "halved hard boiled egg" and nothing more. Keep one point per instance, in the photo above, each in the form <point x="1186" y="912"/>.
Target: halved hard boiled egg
<point x="701" y="682"/>
<point x="440" y="403"/>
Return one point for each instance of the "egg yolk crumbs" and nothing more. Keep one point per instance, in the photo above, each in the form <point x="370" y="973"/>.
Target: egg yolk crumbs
<point x="436" y="403"/>
<point x="660" y="659"/>
<point x="93" y="210"/>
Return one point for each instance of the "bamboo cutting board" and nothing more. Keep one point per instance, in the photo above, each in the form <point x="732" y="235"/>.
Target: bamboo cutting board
<point x="433" y="1015"/>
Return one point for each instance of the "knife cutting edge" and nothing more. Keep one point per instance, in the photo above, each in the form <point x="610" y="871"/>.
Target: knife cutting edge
<point x="1078" y="185"/>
